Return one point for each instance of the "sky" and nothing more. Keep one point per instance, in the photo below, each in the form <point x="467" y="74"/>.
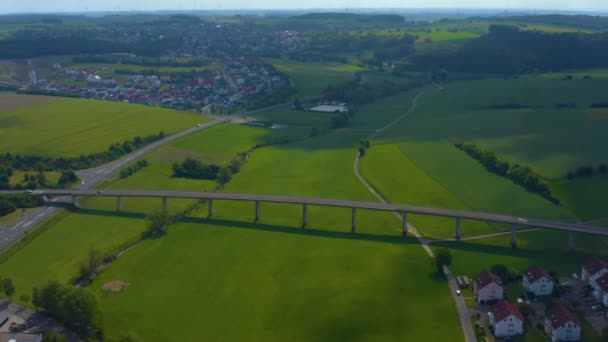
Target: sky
<point x="20" y="6"/>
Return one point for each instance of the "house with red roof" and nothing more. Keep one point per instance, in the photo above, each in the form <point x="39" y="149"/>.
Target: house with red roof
<point x="562" y="325"/>
<point x="506" y="320"/>
<point x="488" y="288"/>
<point x="537" y="281"/>
<point x="593" y="269"/>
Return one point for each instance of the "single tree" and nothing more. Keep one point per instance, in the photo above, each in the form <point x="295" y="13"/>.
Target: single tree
<point x="8" y="287"/>
<point x="224" y="175"/>
<point x="443" y="257"/>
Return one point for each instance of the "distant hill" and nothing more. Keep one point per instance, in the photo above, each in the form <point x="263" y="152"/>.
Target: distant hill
<point x="579" y="21"/>
<point x="347" y="19"/>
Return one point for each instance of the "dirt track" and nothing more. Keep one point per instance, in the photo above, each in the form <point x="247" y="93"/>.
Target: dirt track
<point x="11" y="101"/>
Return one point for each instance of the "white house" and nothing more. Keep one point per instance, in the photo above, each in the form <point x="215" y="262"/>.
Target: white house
<point x="601" y="288"/>
<point x="537" y="281"/>
<point x="488" y="287"/>
<point x="506" y="319"/>
<point x="593" y="269"/>
<point x="561" y="325"/>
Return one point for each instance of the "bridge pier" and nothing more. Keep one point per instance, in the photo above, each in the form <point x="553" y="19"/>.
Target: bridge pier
<point x="304" y="215"/>
<point x="404" y="221"/>
<point x="571" y="241"/>
<point x="118" y="203"/>
<point x="75" y="200"/>
<point x="354" y="221"/>
<point x="513" y="237"/>
<point x="457" y="234"/>
<point x="257" y="211"/>
<point x="165" y="206"/>
<point x="210" y="203"/>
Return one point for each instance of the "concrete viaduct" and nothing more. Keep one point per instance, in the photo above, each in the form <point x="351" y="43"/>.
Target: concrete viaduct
<point x="403" y="210"/>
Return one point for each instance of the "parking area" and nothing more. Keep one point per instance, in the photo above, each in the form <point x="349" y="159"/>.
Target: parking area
<point x="581" y="299"/>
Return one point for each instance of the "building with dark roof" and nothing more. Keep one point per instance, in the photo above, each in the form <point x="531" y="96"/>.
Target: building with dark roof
<point x="505" y="319"/>
<point x="593" y="269"/>
<point x="487" y="287"/>
<point x="561" y="324"/>
<point x="537" y="281"/>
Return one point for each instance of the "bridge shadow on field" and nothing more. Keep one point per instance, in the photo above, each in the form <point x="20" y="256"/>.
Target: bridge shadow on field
<point x="106" y="213"/>
<point x="303" y="231"/>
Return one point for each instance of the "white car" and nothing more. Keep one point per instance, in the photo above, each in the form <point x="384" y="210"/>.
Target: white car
<point x="458" y="292"/>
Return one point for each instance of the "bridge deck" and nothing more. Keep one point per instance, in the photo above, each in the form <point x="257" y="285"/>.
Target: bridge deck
<point x="469" y="215"/>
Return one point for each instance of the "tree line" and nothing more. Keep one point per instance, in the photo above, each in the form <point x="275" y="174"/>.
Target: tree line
<point x="115" y="151"/>
<point x="143" y="61"/>
<point x="588" y="171"/>
<point x="10" y="203"/>
<point x="126" y="172"/>
<point x="194" y="169"/>
<point x="508" y="50"/>
<point x="520" y="175"/>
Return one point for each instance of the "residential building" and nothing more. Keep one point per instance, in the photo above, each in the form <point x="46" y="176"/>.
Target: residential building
<point x="537" y="281"/>
<point x="562" y="325"/>
<point x="601" y="288"/>
<point x="593" y="269"/>
<point x="488" y="288"/>
<point x="506" y="320"/>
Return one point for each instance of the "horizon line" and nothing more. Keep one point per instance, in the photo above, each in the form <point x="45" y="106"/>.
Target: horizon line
<point x="544" y="11"/>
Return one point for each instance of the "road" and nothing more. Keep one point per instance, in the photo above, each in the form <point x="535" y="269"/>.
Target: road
<point x="91" y="177"/>
<point x="11" y="232"/>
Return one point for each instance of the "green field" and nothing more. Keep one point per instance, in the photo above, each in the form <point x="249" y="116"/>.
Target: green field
<point x="353" y="277"/>
<point x="17" y="177"/>
<point x="72" y="127"/>
<point x="362" y="281"/>
<point x="312" y="78"/>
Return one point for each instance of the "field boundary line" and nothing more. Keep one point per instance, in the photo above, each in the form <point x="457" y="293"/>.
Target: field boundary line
<point x="460" y="305"/>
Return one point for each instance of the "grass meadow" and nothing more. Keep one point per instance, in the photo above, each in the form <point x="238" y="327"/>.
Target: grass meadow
<point x="72" y="127"/>
<point x="343" y="285"/>
<point x="312" y="78"/>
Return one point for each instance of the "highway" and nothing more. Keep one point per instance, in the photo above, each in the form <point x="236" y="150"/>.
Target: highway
<point x="91" y="177"/>
<point x="12" y="231"/>
<point x="66" y="195"/>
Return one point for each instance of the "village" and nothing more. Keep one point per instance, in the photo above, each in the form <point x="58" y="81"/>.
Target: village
<point x="214" y="90"/>
<point x="559" y="307"/>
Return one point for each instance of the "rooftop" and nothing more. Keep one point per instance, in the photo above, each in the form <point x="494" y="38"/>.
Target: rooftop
<point x="504" y="309"/>
<point x="594" y="265"/>
<point x="485" y="278"/>
<point x="559" y="315"/>
<point x="535" y="273"/>
<point x="602" y="282"/>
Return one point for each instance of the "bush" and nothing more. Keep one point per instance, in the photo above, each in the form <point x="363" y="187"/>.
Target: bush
<point x="8" y="288"/>
<point x="504" y="273"/>
<point x="133" y="168"/>
<point x="75" y="307"/>
<point x="443" y="257"/>
<point x="191" y="168"/>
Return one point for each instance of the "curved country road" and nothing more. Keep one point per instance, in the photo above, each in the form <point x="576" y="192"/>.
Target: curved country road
<point x="463" y="310"/>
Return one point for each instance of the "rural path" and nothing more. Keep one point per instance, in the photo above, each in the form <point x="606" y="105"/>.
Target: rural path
<point x="485" y="236"/>
<point x="463" y="311"/>
<point x="12" y="231"/>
